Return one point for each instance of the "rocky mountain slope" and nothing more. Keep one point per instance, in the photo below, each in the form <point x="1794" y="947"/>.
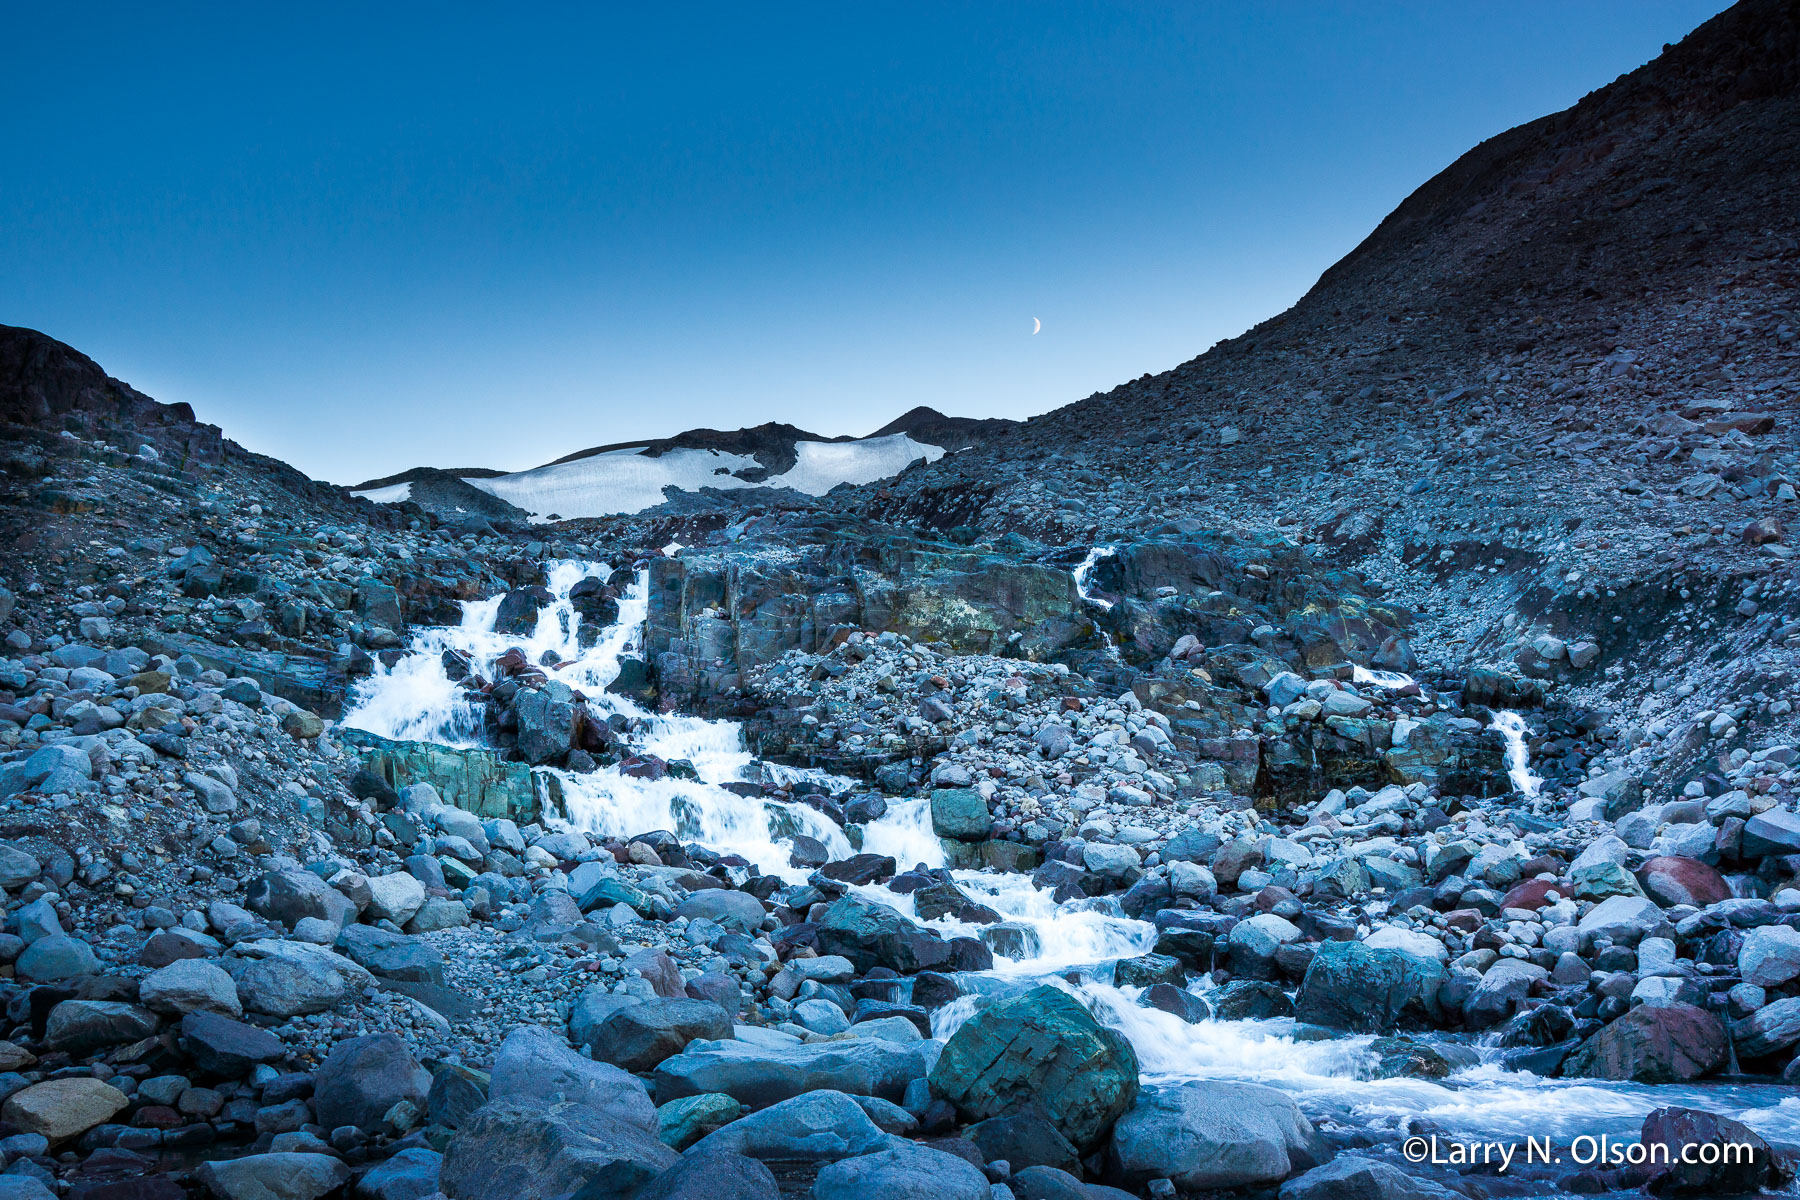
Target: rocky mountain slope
<point x="1375" y="729"/>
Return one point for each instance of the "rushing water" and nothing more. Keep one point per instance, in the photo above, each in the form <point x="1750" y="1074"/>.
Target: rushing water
<point x="1086" y="568"/>
<point x="416" y="700"/>
<point x="1071" y="945"/>
<point x="1518" y="756"/>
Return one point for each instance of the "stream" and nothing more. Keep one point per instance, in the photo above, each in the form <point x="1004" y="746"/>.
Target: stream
<point x="1071" y="945"/>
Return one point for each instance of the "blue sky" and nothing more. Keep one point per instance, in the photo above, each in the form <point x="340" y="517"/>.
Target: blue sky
<point x="369" y="238"/>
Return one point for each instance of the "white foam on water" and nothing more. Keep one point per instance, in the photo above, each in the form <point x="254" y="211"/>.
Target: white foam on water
<point x="905" y="833"/>
<point x="1086" y="569"/>
<point x="1518" y="756"/>
<point x="1392" y="681"/>
<point x="416" y="700"/>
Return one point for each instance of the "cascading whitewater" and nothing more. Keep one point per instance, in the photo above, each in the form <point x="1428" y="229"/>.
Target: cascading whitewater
<point x="1071" y="945"/>
<point x="416" y="700"/>
<point x="1086" y="568"/>
<point x="1518" y="756"/>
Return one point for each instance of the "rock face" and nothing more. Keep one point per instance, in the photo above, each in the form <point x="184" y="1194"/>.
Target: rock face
<point x="1207" y="1136"/>
<point x="1351" y="986"/>
<point x="1042" y="1049"/>
<point x="1654" y="1044"/>
<point x="532" y="1149"/>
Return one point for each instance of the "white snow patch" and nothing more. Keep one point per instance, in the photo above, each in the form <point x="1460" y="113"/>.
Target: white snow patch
<point x="628" y="481"/>
<point x="619" y="481"/>
<point x="394" y="493"/>
<point x="821" y="466"/>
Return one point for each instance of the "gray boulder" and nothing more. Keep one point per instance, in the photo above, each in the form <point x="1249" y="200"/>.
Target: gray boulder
<point x="189" y="985"/>
<point x="527" y="1148"/>
<point x="763" y="1075"/>
<point x="734" y="910"/>
<point x="815" y="1127"/>
<point x="391" y="955"/>
<point x="904" y="1171"/>
<point x="535" y="1064"/>
<point x="274" y="1176"/>
<point x="409" y="1175"/>
<point x="1211" y="1136"/>
<point x="1352" y="986"/>
<point x="713" y="1177"/>
<point x="638" y="1036"/>
<point x="55" y="958"/>
<point x="363" y="1078"/>
<point x="1353" y="1177"/>
<point x="83" y="1026"/>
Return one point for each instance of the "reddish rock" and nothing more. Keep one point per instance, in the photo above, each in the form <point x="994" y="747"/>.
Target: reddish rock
<point x="1532" y="894"/>
<point x="1678" y="1128"/>
<point x="1466" y="919"/>
<point x="157" y="1116"/>
<point x="1670" y="879"/>
<point x="1669" y="1043"/>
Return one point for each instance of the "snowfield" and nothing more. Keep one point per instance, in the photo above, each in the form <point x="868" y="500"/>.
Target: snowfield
<point x="628" y="481"/>
<point x="394" y="494"/>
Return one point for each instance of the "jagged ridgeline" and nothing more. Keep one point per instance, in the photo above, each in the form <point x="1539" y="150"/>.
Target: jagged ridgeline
<point x="1381" y="725"/>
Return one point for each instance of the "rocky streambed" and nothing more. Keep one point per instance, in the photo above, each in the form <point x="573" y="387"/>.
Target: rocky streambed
<point x="768" y="867"/>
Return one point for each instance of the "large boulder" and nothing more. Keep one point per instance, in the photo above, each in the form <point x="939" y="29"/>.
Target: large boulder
<point x="55" y="958"/>
<point x="226" y="1048"/>
<point x="82" y="1026"/>
<point x="287" y="895"/>
<point x="960" y="814"/>
<point x="904" y="1171"/>
<point x="391" y="955"/>
<point x="395" y="897"/>
<point x="282" y="1176"/>
<point x="535" y="1064"/>
<point x="814" y="1127"/>
<point x="713" y="1177"/>
<point x="62" y="1108"/>
<point x="1665" y="1043"/>
<point x="1770" y="955"/>
<point x="1670" y="879"/>
<point x="190" y="985"/>
<point x="763" y="1075"/>
<point x="1213" y="1135"/>
<point x="732" y="909"/>
<point x="1353" y="986"/>
<point x="361" y="1079"/>
<point x="412" y="1174"/>
<point x="1625" y="919"/>
<point x="1681" y="1169"/>
<point x="1354" y="1177"/>
<point x="873" y="935"/>
<point x="1770" y="1029"/>
<point x="534" y="1149"/>
<point x="638" y="1036"/>
<point x="1041" y="1049"/>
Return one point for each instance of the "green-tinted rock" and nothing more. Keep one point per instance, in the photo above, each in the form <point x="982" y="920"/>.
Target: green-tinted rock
<point x="1041" y="1049"/>
<point x="477" y="781"/>
<point x="681" y="1123"/>
<point x="1597" y="881"/>
<point x="1352" y="986"/>
<point x="961" y="814"/>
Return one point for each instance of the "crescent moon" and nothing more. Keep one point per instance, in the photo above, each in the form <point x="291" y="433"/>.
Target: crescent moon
<point x="1036" y="324"/>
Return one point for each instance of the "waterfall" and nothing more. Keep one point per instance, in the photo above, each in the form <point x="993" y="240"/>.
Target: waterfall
<point x="1518" y="757"/>
<point x="416" y="700"/>
<point x="1086" y="569"/>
